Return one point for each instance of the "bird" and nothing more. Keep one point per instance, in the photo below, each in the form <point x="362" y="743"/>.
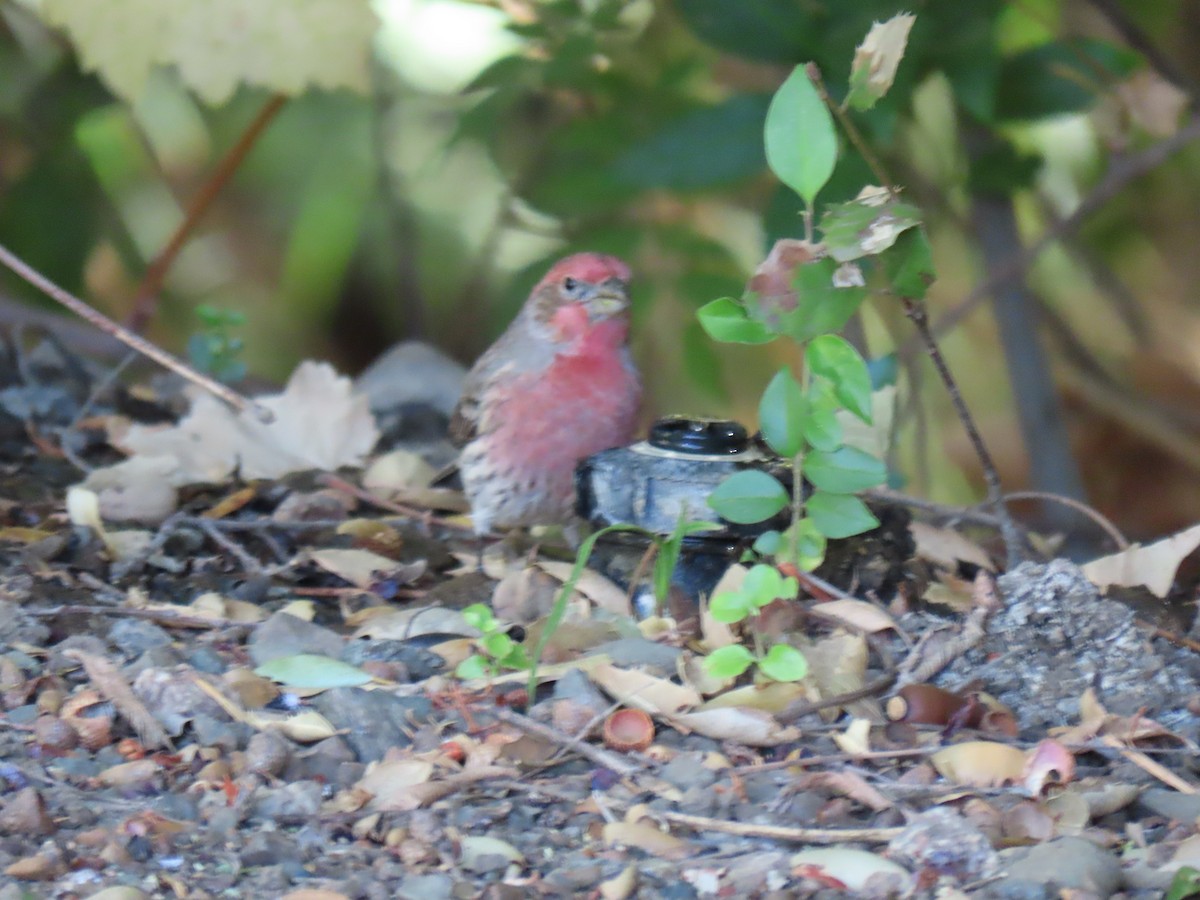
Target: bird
<point x="557" y="386"/>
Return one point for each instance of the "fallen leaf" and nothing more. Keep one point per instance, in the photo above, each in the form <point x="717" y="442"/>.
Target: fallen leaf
<point x="945" y="547"/>
<point x="752" y="727"/>
<point x="632" y="688"/>
<point x="1153" y="565"/>
<point x="860" y="614"/>
<point x="647" y="838"/>
<point x="363" y="569"/>
<point x="319" y="424"/>
<point x="980" y="764"/>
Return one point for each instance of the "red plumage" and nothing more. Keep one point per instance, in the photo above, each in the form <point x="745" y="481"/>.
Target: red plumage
<point x="557" y="386"/>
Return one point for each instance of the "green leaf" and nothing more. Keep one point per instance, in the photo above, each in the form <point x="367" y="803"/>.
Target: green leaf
<point x="844" y="471"/>
<point x="475" y="666"/>
<point x="559" y="609"/>
<point x="821" y="306"/>
<point x="311" y="670"/>
<point x="1186" y="883"/>
<point x="810" y="544"/>
<point x="839" y="515"/>
<point x="479" y="616"/>
<point x="728" y="662"/>
<point x="800" y="138"/>
<point x="822" y="430"/>
<point x="781" y="414"/>
<point x="516" y="658"/>
<point x="909" y="265"/>
<point x="834" y="358"/>
<point x="768" y="543"/>
<point x="747" y="497"/>
<point x="866" y="226"/>
<point x="783" y="663"/>
<point x="765" y="584"/>
<point x="876" y="60"/>
<point x="729" y="607"/>
<point x="726" y="320"/>
<point x="497" y="645"/>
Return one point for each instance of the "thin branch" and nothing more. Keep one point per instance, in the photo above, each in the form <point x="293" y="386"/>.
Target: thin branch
<point x="156" y="272"/>
<point x="65" y="298"/>
<point x="783" y="832"/>
<point x="852" y="132"/>
<point x="1008" y="529"/>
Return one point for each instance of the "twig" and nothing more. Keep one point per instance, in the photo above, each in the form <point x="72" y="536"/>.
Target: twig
<point x="162" y="616"/>
<point x="852" y="132"/>
<point x="796" y="711"/>
<point x="152" y="280"/>
<point x="1079" y="506"/>
<point x="597" y="755"/>
<point x="783" y="833"/>
<point x="141" y="345"/>
<point x="1008" y="529"/>
<point x="249" y="563"/>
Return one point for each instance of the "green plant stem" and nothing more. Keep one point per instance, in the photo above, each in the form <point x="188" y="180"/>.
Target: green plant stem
<point x="798" y="470"/>
<point x="560" y="602"/>
<point x="852" y="132"/>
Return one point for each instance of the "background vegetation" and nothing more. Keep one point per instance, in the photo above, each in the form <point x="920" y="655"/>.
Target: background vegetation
<point x="423" y="160"/>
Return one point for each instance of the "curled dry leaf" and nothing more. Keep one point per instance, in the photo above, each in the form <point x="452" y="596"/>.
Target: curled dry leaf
<point x="980" y="764"/>
<point x="1049" y="759"/>
<point x="856" y="739"/>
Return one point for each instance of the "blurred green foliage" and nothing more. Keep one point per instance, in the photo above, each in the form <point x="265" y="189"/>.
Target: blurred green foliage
<point x="498" y="136"/>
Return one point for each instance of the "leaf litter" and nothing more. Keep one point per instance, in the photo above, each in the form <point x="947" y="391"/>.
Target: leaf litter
<point x="271" y="657"/>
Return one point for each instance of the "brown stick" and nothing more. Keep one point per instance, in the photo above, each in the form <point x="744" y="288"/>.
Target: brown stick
<point x="156" y="272"/>
<point x="65" y="298"/>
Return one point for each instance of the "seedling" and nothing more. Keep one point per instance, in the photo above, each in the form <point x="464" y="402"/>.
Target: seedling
<point x="763" y="585"/>
<point x="497" y="652"/>
<point x="215" y="349"/>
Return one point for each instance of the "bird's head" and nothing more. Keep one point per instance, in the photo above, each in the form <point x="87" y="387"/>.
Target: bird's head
<point x="580" y="292"/>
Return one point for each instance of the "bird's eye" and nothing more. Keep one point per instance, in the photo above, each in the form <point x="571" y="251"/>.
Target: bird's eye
<point x="570" y="285"/>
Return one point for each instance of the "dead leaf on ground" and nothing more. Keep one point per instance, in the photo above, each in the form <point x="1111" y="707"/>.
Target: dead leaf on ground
<point x="980" y="764"/>
<point x="654" y="695"/>
<point x="945" y="547"/>
<point x="319" y="424"/>
<point x="362" y="568"/>
<point x="1153" y="565"/>
<point x="751" y="727"/>
<point x="857" y="613"/>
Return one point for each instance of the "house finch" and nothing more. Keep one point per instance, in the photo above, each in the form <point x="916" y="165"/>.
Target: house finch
<point x="557" y="386"/>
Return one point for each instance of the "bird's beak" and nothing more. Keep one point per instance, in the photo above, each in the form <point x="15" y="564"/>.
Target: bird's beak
<point x="608" y="299"/>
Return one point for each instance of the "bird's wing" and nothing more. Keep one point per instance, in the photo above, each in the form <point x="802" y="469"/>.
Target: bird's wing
<point x="487" y="372"/>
